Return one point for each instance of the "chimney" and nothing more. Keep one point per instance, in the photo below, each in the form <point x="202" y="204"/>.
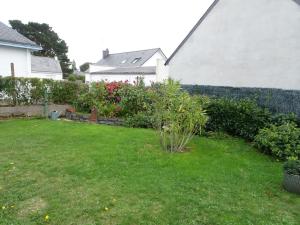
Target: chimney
<point x="105" y="53"/>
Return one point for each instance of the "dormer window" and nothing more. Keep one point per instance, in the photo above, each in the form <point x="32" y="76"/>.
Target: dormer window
<point x="124" y="61"/>
<point x="136" y="60"/>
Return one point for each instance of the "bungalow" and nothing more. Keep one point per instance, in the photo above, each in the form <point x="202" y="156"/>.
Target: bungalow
<point x="129" y="66"/>
<point x="242" y="44"/>
<point x="16" y="58"/>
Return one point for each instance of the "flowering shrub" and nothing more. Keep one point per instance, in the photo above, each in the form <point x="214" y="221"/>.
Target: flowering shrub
<point x="103" y="96"/>
<point x="113" y="89"/>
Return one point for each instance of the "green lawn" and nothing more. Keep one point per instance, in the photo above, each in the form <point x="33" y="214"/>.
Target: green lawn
<point x="91" y="174"/>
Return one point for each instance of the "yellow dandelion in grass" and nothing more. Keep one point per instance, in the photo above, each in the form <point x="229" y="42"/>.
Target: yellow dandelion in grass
<point x="114" y="200"/>
<point x="3" y="207"/>
<point x="106" y="209"/>
<point x="12" y="163"/>
<point x="46" y="217"/>
<point x="12" y="206"/>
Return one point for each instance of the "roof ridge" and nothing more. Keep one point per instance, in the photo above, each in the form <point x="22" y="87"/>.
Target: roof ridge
<point x="41" y="56"/>
<point x="135" y="51"/>
<point x="17" y="38"/>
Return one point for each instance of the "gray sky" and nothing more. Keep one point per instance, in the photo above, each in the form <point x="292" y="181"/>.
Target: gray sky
<point x="89" y="26"/>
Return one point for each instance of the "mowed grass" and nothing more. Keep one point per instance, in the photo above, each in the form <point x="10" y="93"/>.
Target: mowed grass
<point x="91" y="174"/>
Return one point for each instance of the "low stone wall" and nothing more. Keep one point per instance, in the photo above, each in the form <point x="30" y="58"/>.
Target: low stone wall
<point x="88" y="118"/>
<point x="31" y="110"/>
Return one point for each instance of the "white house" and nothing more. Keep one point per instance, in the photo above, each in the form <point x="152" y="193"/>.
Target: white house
<point x="240" y="43"/>
<point x="129" y="66"/>
<point x="15" y="57"/>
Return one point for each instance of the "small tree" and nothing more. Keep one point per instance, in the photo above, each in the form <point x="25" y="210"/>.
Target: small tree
<point x="178" y="116"/>
<point x="84" y="67"/>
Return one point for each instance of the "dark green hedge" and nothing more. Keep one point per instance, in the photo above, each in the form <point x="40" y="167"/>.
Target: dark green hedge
<point x="276" y="100"/>
<point x="243" y="118"/>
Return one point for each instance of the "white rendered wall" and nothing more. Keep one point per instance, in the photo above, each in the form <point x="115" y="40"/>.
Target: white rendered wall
<point x="153" y="60"/>
<point x="148" y="79"/>
<point x="95" y="68"/>
<point x="162" y="71"/>
<point x="241" y="43"/>
<point x="19" y="56"/>
<point x="53" y="76"/>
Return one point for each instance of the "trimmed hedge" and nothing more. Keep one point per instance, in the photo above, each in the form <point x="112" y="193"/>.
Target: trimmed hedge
<point x="243" y="118"/>
<point x="276" y="100"/>
<point x="28" y="91"/>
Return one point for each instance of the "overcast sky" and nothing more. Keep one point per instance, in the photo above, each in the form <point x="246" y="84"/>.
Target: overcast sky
<point x="89" y="26"/>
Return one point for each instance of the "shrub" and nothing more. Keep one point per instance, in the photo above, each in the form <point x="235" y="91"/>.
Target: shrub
<point x="292" y="167"/>
<point x="281" y="119"/>
<point x="239" y="118"/>
<point x="65" y="92"/>
<point x="281" y="141"/>
<point x="178" y="116"/>
<point x="136" y="99"/>
<point x="72" y="77"/>
<point x="141" y="120"/>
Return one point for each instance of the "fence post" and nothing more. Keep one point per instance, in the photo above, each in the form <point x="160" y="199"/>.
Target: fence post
<point x="12" y="69"/>
<point x="46" y="103"/>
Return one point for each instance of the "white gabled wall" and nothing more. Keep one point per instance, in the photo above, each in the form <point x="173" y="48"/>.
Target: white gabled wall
<point x="241" y="43"/>
<point x="19" y="56"/>
<point x="96" y="68"/>
<point x="148" y="79"/>
<point x="42" y="75"/>
<point x="162" y="71"/>
<point x="153" y="60"/>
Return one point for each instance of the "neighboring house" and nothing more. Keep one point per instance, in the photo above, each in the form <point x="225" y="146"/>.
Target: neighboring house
<point x="129" y="66"/>
<point x="242" y="44"/>
<point x="46" y="68"/>
<point x="15" y="55"/>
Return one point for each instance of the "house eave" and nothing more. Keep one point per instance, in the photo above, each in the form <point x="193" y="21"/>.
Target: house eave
<point x="19" y="45"/>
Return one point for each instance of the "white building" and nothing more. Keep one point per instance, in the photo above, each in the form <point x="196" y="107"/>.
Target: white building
<point x="129" y="66"/>
<point x="241" y="43"/>
<point x="15" y="56"/>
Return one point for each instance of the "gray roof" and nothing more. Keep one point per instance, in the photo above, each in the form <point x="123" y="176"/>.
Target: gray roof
<point x="146" y="70"/>
<point x="125" y="59"/>
<point x="45" y="64"/>
<point x="11" y="36"/>
<point x="193" y="30"/>
<point x="297" y="1"/>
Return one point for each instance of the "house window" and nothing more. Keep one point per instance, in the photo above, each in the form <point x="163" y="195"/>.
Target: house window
<point x="136" y="60"/>
<point x="124" y="61"/>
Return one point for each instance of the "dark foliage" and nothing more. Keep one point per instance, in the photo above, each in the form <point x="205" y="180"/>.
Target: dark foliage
<point x="48" y="39"/>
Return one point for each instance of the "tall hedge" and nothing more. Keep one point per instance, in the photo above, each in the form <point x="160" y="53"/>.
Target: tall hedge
<point x="28" y="91"/>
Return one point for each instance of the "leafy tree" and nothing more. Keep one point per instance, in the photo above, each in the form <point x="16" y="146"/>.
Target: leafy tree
<point x="44" y="35"/>
<point x="84" y="67"/>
